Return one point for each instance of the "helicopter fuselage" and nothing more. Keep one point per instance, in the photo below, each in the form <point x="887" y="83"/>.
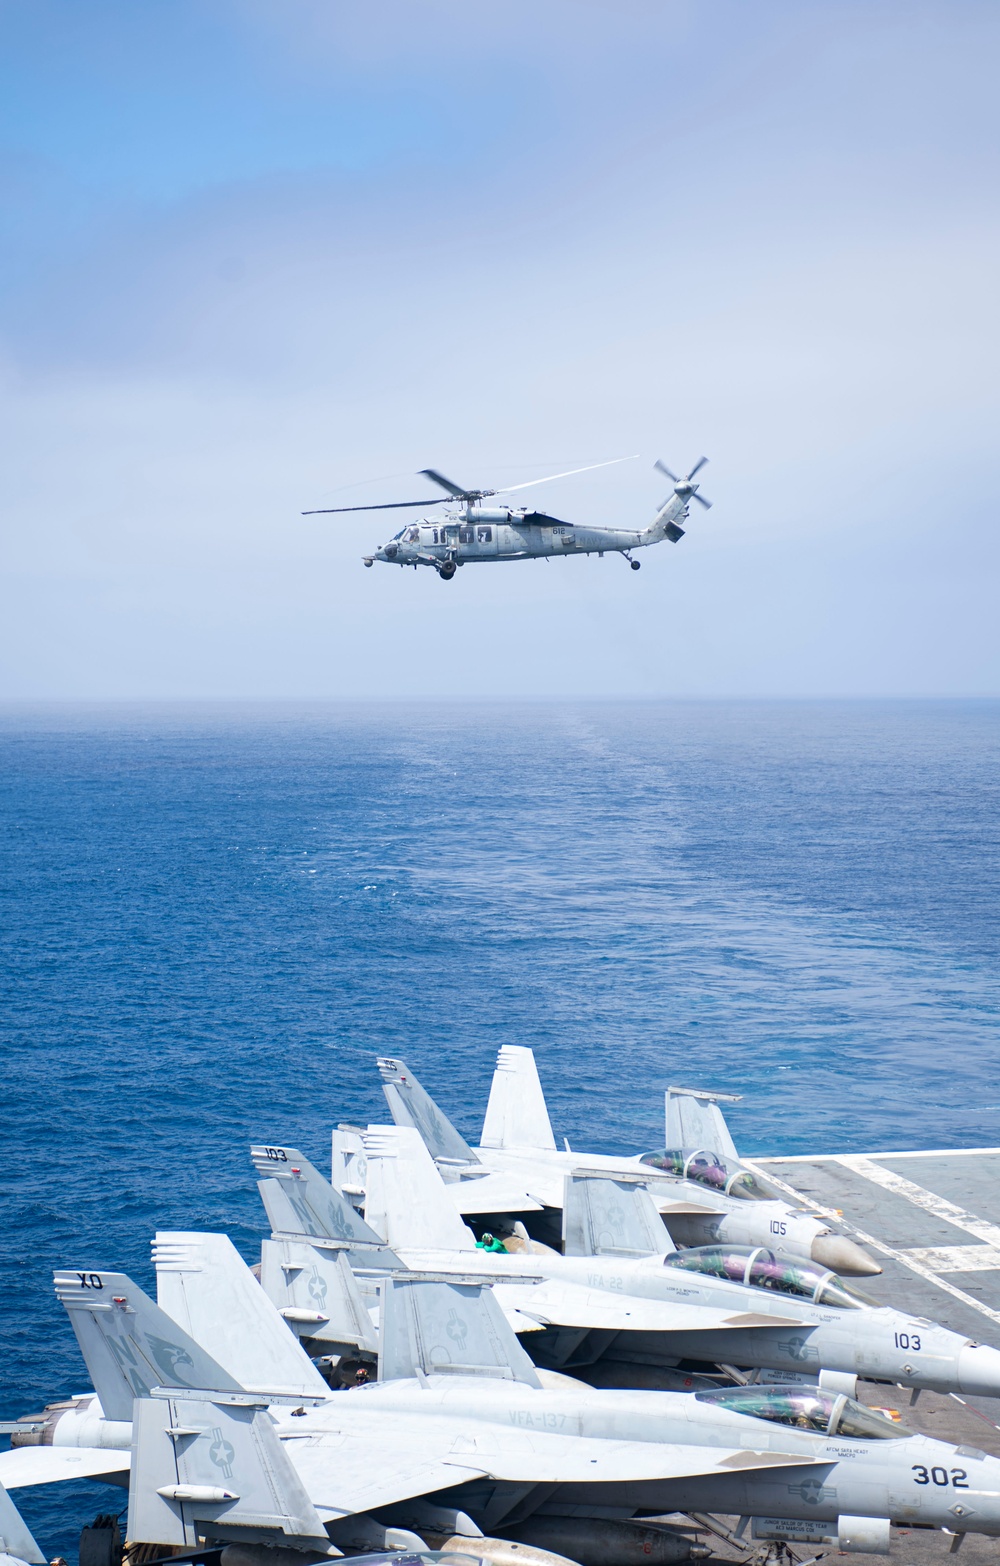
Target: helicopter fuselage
<point x="498" y="533"/>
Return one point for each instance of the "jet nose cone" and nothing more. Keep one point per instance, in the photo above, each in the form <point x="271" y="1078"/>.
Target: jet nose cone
<point x="841" y="1255"/>
<point x="979" y="1370"/>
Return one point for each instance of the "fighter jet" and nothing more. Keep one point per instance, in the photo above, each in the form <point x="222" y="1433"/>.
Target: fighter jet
<point x="773" y="1313"/>
<point x="703" y="1193"/>
<point x="460" y="1425"/>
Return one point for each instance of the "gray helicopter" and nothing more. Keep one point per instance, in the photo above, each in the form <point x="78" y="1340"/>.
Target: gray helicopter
<point x="474" y="531"/>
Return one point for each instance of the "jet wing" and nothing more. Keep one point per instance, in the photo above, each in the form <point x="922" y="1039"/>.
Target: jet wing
<point x="492" y="1193"/>
<point x="530" y="1458"/>
<point x="24" y="1465"/>
<point x="541" y="1182"/>
<point x="557" y="1304"/>
<point x="355" y="1470"/>
<point x="667" y="1207"/>
<point x="372" y="1465"/>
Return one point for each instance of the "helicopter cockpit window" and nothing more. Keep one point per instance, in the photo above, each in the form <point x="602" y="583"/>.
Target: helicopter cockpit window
<point x="485" y="535"/>
<point x="761" y="1269"/>
<point x="808" y="1408"/>
<point x="413" y="536"/>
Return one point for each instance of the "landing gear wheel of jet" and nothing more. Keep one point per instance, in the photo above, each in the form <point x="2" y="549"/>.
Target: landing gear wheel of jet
<point x="635" y="564"/>
<point x="447" y="571"/>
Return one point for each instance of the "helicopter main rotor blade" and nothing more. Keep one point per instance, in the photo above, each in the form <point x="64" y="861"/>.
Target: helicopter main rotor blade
<point x="568" y="474"/>
<point x="444" y="483"/>
<point x="392" y="505"/>
<point x="661" y="467"/>
<point x="698" y="465"/>
<point x="702" y="501"/>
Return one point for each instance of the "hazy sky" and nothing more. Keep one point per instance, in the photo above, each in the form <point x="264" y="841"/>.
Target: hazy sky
<point x="255" y="251"/>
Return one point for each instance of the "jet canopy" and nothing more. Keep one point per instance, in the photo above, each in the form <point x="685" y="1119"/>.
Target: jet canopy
<point x="808" y="1408"/>
<point x="758" y="1268"/>
<point x="709" y="1169"/>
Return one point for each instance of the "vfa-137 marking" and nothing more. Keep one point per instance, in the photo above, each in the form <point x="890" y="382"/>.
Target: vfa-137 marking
<point x="474" y="531"/>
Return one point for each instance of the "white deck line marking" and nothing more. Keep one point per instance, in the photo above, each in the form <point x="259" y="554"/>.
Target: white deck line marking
<point x="876" y="1245"/>
<point x="892" y="1152"/>
<point x="937" y="1206"/>
<point x="956" y="1258"/>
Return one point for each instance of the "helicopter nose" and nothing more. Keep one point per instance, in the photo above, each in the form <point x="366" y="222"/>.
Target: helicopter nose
<point x="979" y="1370"/>
<point x="843" y="1256"/>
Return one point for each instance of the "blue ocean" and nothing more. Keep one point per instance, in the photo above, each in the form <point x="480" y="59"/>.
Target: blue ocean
<point x="214" y="918"/>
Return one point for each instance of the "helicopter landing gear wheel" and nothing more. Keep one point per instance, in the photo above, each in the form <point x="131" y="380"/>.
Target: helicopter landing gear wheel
<point x="635" y="564"/>
<point x="447" y="570"/>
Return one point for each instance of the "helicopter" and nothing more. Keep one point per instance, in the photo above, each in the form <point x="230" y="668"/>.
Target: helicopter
<point x="474" y="531"/>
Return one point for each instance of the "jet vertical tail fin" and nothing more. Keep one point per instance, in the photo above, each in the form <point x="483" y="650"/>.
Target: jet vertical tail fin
<point x="130" y="1345"/>
<point x="319" y="1209"/>
<point x="212" y="1470"/>
<point x="205" y="1285"/>
<point x="16" y="1540"/>
<point x="348" y="1170"/>
<point x="694" y="1119"/>
<point x="611" y="1217"/>
<point x="407" y="1199"/>
<point x="435" y="1328"/>
<point x="516" y="1115"/>
<point x="409" y="1105"/>
<point x="317" y="1293"/>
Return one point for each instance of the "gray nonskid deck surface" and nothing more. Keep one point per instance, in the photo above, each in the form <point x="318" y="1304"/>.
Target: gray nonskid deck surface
<point x="933" y="1220"/>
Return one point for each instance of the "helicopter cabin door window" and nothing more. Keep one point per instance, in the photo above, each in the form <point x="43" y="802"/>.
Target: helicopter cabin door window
<point x="486" y="540"/>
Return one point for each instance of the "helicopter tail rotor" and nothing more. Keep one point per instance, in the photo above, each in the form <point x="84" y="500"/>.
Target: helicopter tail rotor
<point x="684" y="486"/>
